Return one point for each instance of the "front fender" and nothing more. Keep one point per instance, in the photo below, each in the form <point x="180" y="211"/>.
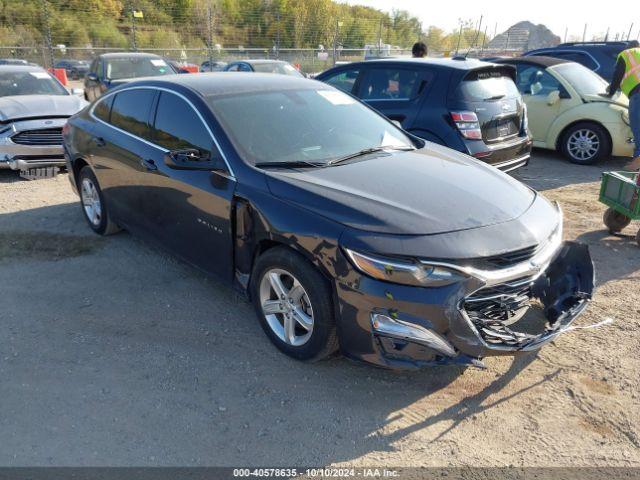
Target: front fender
<point x="598" y="112"/>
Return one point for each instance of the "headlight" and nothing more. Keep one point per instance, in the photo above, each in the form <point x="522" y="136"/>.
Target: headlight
<point x="404" y="272"/>
<point x="625" y="116"/>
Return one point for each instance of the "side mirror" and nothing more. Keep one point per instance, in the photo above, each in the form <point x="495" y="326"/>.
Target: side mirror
<point x="553" y="97"/>
<point x="396" y="123"/>
<point x="92" y="77"/>
<point x="77" y="91"/>
<point x="192" y="159"/>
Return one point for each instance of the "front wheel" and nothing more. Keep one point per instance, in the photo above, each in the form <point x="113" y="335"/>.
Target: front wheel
<point x="615" y="221"/>
<point x="294" y="304"/>
<point x="585" y="143"/>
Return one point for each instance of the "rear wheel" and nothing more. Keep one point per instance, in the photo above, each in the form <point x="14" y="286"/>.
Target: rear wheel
<point x="94" y="207"/>
<point x="294" y="304"/>
<point x="615" y="221"/>
<point x="585" y="143"/>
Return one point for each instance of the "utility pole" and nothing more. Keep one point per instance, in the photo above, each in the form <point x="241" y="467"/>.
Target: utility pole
<point x="278" y="32"/>
<point x="629" y="34"/>
<point x="210" y="34"/>
<point x="475" y="41"/>
<point x="484" y="39"/>
<point x="566" y="32"/>
<point x="335" y="42"/>
<point x="47" y="30"/>
<point x="506" y="45"/>
<point x="606" y="37"/>
<point x="133" y="27"/>
<point x="380" y="38"/>
<point x="584" y="33"/>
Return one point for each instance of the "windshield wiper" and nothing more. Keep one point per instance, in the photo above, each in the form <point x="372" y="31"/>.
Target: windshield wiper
<point x="292" y="164"/>
<point x="367" y="151"/>
<point x="495" y="97"/>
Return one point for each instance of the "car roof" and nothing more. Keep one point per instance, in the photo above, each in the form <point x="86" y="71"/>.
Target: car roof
<point x="129" y="55"/>
<point x="21" y="68"/>
<point x="458" y="63"/>
<point x="225" y="83"/>
<point x="258" y="61"/>
<point x="539" y="60"/>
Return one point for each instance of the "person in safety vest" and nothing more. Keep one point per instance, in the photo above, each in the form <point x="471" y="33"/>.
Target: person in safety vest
<point x="627" y="78"/>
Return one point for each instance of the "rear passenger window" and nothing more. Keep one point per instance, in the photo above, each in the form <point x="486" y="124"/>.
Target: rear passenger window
<point x="103" y="108"/>
<point x="344" y="80"/>
<point x="130" y="111"/>
<point x="178" y="127"/>
<point x="389" y="84"/>
<point x="533" y="80"/>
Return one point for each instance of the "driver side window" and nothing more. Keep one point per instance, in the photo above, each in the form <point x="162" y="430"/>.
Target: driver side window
<point x="535" y="81"/>
<point x="389" y="84"/>
<point x="344" y="80"/>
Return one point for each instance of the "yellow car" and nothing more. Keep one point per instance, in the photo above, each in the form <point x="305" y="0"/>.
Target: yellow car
<point x="568" y="110"/>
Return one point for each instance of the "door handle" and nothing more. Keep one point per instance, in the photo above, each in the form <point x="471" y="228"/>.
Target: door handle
<point x="99" y="141"/>
<point x="149" y="164"/>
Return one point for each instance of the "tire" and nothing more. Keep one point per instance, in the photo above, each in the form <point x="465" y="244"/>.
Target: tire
<point x="94" y="208"/>
<point x="585" y="143"/>
<point x="314" y="301"/>
<point x="615" y="221"/>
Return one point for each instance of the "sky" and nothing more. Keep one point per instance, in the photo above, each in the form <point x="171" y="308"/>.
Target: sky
<point x="558" y="15"/>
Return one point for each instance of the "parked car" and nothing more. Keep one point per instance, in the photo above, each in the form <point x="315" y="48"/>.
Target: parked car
<point x="112" y="69"/>
<point x="215" y="66"/>
<point x="467" y="105"/>
<point x="344" y="231"/>
<point x="33" y="108"/>
<point x="600" y="57"/>
<point x="13" y="61"/>
<point x="263" y="66"/>
<point x="182" y="67"/>
<point x="76" y="69"/>
<point x="569" y="110"/>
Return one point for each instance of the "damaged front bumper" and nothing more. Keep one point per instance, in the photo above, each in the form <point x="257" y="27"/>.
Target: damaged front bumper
<point x="495" y="312"/>
<point x="33" y="143"/>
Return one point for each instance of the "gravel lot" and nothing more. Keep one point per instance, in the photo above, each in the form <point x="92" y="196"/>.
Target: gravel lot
<point x="113" y="353"/>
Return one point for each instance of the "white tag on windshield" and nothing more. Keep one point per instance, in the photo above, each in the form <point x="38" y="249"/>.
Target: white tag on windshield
<point x="40" y="74"/>
<point x="336" y="98"/>
<point x="159" y="63"/>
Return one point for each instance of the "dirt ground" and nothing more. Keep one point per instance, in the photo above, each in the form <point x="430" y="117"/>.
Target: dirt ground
<point x="113" y="353"/>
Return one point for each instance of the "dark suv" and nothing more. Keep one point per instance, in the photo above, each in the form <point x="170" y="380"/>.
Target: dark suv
<point x="600" y="57"/>
<point x="464" y="104"/>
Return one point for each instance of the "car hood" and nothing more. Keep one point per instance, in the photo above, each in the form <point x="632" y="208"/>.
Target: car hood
<point x="30" y="106"/>
<point x="428" y="191"/>
<point x="620" y="100"/>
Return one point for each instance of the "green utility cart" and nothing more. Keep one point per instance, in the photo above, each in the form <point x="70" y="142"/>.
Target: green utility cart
<point x="621" y="193"/>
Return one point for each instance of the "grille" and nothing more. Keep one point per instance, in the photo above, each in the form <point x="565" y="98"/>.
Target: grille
<point x="47" y="136"/>
<point x="509" y="259"/>
<point x="497" y="312"/>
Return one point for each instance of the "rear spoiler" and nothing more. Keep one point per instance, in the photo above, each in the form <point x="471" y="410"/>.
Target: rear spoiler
<point x="491" y="70"/>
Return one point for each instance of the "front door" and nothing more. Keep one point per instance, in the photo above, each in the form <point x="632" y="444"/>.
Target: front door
<point x="189" y="209"/>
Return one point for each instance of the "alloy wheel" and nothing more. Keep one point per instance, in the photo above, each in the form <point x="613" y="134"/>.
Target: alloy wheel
<point x="91" y="202"/>
<point x="583" y="144"/>
<point x="286" y="307"/>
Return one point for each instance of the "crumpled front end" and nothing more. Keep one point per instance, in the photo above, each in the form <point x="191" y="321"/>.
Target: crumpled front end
<point x="32" y="143"/>
<point x="531" y="298"/>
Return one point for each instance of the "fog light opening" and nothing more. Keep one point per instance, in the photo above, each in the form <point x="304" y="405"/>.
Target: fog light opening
<point x="395" y="328"/>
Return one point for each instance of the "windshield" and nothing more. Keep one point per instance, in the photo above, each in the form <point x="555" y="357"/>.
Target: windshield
<point x="29" y="83"/>
<point x="302" y="126"/>
<point x="118" y="68"/>
<point x="281" y="68"/>
<point x="480" y="88"/>
<point x="585" y="81"/>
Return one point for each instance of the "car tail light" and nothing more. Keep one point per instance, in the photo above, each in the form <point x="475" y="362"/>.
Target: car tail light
<point x="65" y="128"/>
<point x="468" y="124"/>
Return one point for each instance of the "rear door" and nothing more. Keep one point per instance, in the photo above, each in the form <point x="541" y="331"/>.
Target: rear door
<point x="395" y="91"/>
<point x="492" y="95"/>
<point x="189" y="210"/>
<point x="120" y="146"/>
